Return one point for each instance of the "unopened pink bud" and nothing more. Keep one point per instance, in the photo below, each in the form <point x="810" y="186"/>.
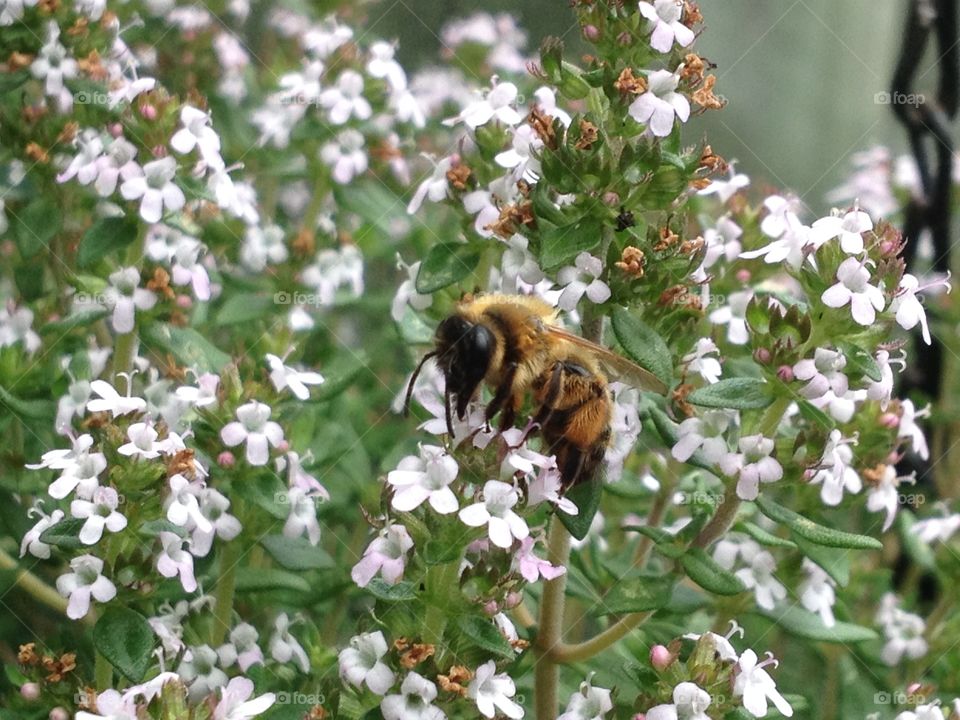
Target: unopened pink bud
<point x="226" y="459"/>
<point x="912" y="688"/>
<point x="30" y="691"/>
<point x="887" y="247"/>
<point x="762" y="355"/>
<point x="890" y="420"/>
<point x="512" y="600"/>
<point x="785" y="373"/>
<point x="491" y="608"/>
<point x="591" y="33"/>
<point x="611" y="199"/>
<point x="149" y="112"/>
<point x="115" y="130"/>
<point x="283" y="446"/>
<point x="660" y="657"/>
<point x="639" y="716"/>
<point x="59" y="713"/>
<point x="625" y="38"/>
<point x="184" y="302"/>
<point x="159" y="151"/>
<point x="743" y="275"/>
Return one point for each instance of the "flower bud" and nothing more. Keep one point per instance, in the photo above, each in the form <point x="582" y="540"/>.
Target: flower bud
<point x="611" y="199"/>
<point x="184" y="302"/>
<point x="512" y="600"/>
<point x="491" y="608"/>
<point x="59" y="713"/>
<point x="226" y="459"/>
<point x="149" y="112"/>
<point x="785" y="373"/>
<point x="890" y="420"/>
<point x="624" y="38"/>
<point x="761" y="355"/>
<point x="660" y="657"/>
<point x="115" y="130"/>
<point x="283" y="446"/>
<point x="591" y="33"/>
<point x="743" y="275"/>
<point x="30" y="691"/>
<point x="159" y="151"/>
<point x="914" y="688"/>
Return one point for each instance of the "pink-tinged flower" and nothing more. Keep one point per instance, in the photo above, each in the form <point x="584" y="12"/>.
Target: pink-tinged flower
<point x="113" y="402"/>
<point x="285" y="376"/>
<point x="415" y="701"/>
<point x="186" y="268"/>
<point x="31" y="540"/>
<point x="234" y="703"/>
<point x="174" y="561"/>
<point x="664" y="17"/>
<point x="100" y="513"/>
<point x="531" y="567"/>
<point x="196" y="133"/>
<point x="284" y="647"/>
<point x="495" y="511"/>
<point x="112" y="705"/>
<point x="242" y="648"/>
<point x="117" y="161"/>
<point x="822" y="373"/>
<point x="200" y="672"/>
<point x="907" y="306"/>
<point x="300" y="478"/>
<point x="204" y="394"/>
<point x="755" y="686"/>
<point x="254" y="427"/>
<point x="497" y="104"/>
<point x="582" y="278"/>
<point x="492" y="692"/>
<point x="124" y="297"/>
<point x="362" y="663"/>
<point x="84" y="164"/>
<point x="848" y="228"/>
<point x="386" y="554"/>
<point x="752" y="465"/>
<point x="220" y="523"/>
<point x="85" y="582"/>
<point x="153" y="185"/>
<point x="704" y="433"/>
<point x="853" y="287"/>
<point x="661" y="104"/>
<point x="904" y="632"/>
<point x="345" y="99"/>
<point x="425" y="478"/>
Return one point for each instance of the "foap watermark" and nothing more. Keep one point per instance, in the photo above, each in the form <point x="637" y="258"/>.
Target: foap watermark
<point x="282" y="297"/>
<point x="899" y="98"/>
<point x="898" y="697"/>
<point x="300" y="698"/>
<point x="698" y="497"/>
<point x="289" y="498"/>
<point x="92" y="97"/>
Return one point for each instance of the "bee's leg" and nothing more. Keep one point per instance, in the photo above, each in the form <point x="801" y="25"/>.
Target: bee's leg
<point x="553" y="386"/>
<point x="446" y="407"/>
<point x="502" y="393"/>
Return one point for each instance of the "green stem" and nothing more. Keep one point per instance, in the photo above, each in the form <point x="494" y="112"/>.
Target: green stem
<point x="547" y="676"/>
<point x="601" y="641"/>
<point x="102" y="673"/>
<point x="441" y="584"/>
<point x="226" y="587"/>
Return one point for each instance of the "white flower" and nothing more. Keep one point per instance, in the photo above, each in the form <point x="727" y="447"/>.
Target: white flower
<point x="345" y="100"/>
<point x="242" y="648"/>
<point x="80" y="468"/>
<point x="884" y="494"/>
<point x="142" y="442"/>
<point x="284" y="647"/>
<point x="174" y="561"/>
<point x="113" y="402"/>
<point x="497" y="104"/>
<point x="153" y="184"/>
<point x="904" y="632"/>
<point x="589" y="703"/>
<point x="345" y="156"/>
<point x="382" y="65"/>
<point x="690" y="702"/>
<point x="84" y="165"/>
<point x="12" y="10"/>
<point x="386" y="554"/>
<point x="361" y="663"/>
<point x="823" y="373"/>
<point x="697" y="362"/>
<point x="756" y="686"/>
<point x="187" y="269"/>
<point x="853" y="287"/>
<point x="204" y="394"/>
<point x="849" y="228"/>
<point x="285" y="376"/>
<point x="253" y="426"/>
<point x="907" y="306"/>
<point x="427" y="477"/>
<point x="835" y="471"/>
<point x="726" y="189"/>
<point x="53" y="65"/>
<point x="183" y="508"/>
<point x="125" y="297"/>
<point x="937" y="528"/>
<point x="16" y="326"/>
<point x="752" y="465"/>
<point x="882" y="389"/>
<point x="492" y="692"/>
<point x="495" y="511"/>
<point x="664" y="16"/>
<point x="518" y="264"/>
<point x="758" y="575"/>
<point x="100" y="513"/>
<point x="734" y="315"/>
<point x="219" y="523"/>
<point x="234" y="705"/>
<point x="434" y="187"/>
<point x="197" y="133"/>
<point x="31" y="540"/>
<point x="721" y="643"/>
<point x="817" y="592"/>
<point x="199" y="670"/>
<point x="415" y="701"/>
<point x="658" y="107"/>
<point x="302" y="518"/>
<point x="704" y="433"/>
<point x="522" y="155"/>
<point x="583" y="278"/>
<point x="927" y="712"/>
<point x="910" y="430"/>
<point x="84" y="582"/>
<point x="547" y="104"/>
<point x="407" y="292"/>
<point x="262" y="245"/>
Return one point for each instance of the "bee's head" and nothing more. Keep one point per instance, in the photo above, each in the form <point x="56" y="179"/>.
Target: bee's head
<point x="464" y="353"/>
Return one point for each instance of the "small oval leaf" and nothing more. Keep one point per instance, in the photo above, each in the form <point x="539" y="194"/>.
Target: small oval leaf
<point x="642" y="343"/>
<point x="815" y="533"/>
<point x="708" y="574"/>
<point x="446" y="264"/>
<point x="124" y="637"/>
<point x="737" y="393"/>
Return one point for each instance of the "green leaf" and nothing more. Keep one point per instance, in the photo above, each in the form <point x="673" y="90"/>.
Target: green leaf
<point x="740" y="393"/>
<point x="642" y="343"/>
<point x="152" y="528"/>
<point x="664" y="187"/>
<point x="834" y="561"/>
<point x="916" y="549"/>
<point x="668" y="432"/>
<point x="124" y="637"/>
<point x="251" y="579"/>
<point x="246" y="307"/>
<point x="811" y="412"/>
<point x="638" y="594"/>
<point x="84" y="317"/>
<point x="708" y="574"/>
<point x="859" y="361"/>
<point x="665" y="543"/>
<point x="10" y="81"/>
<point x="440" y="552"/>
<point x="65" y="534"/>
<point x="186" y="345"/>
<point x="107" y="236"/>
<point x="296" y="553"/>
<point x="402" y="591"/>
<point x="34" y="409"/>
<point x="809" y="530"/>
<point x="560" y="245"/>
<point x="484" y="634"/>
<point x="36" y="224"/>
<point x="446" y="264"/>
<point x="805" y="624"/>
<point x="586" y="496"/>
<point x="763" y="537"/>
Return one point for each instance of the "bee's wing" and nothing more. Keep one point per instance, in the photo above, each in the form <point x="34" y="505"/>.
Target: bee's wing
<point x="617" y="366"/>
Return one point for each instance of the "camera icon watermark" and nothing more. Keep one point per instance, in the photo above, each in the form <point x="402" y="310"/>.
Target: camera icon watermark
<point x="92" y="299"/>
<point x="698" y="497"/>
<point x="300" y="698"/>
<point x="91" y="97"/>
<point x="898" y="697"/>
<point x="899" y="98"/>
<point x="284" y="297"/>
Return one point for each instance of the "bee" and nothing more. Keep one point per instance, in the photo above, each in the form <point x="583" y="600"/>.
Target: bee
<point x="516" y="345"/>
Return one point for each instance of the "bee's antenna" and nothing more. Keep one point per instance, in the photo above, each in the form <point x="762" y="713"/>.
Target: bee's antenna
<point x="413" y="379"/>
